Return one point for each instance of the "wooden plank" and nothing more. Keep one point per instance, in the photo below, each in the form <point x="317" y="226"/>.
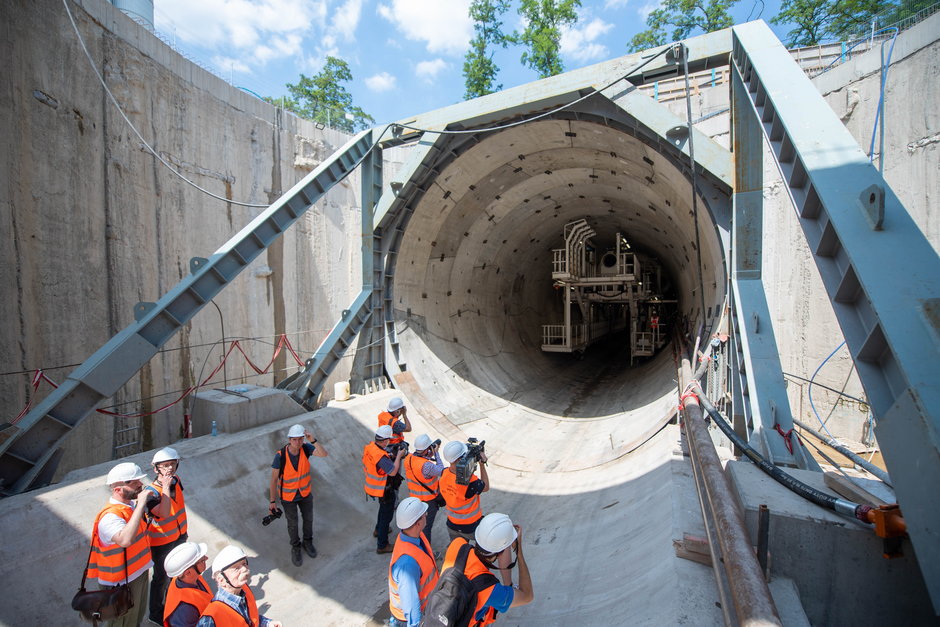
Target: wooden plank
<point x="851" y="490"/>
<point x="693" y="548"/>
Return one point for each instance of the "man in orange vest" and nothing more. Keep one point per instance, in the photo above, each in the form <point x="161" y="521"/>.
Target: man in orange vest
<point x="381" y="482"/>
<point x="120" y="551"/>
<point x="234" y="604"/>
<point x="396" y="416"/>
<point x="496" y="538"/>
<point x="168" y="527"/>
<point x="290" y="477"/>
<point x="463" y="501"/>
<point x="412" y="573"/>
<point x="423" y="471"/>
<point x="187" y="594"/>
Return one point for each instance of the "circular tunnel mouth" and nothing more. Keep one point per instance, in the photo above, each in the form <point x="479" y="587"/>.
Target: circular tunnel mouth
<point x="474" y="286"/>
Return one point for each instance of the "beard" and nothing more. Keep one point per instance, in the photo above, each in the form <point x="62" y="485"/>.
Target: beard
<point x="129" y="493"/>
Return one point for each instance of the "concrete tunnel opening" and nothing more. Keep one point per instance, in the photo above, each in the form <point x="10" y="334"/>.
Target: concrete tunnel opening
<point x="473" y="275"/>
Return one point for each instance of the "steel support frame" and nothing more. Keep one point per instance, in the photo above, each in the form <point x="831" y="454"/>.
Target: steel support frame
<point x="881" y="273"/>
<point x="29" y="450"/>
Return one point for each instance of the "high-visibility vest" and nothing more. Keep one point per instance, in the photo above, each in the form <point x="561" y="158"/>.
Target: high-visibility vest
<point x="165" y="530"/>
<point x="460" y="509"/>
<point x="473" y="569"/>
<point x="385" y="418"/>
<point x="199" y="597"/>
<point x="414" y="472"/>
<point x="106" y="564"/>
<point x="295" y="480"/>
<point x="375" y="479"/>
<point x="428" y="573"/>
<point x="225" y="615"/>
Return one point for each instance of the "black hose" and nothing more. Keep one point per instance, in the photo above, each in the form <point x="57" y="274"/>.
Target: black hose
<point x="808" y="492"/>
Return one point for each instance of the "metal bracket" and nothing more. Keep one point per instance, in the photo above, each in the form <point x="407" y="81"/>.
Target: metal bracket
<point x="142" y="309"/>
<point x="872" y="202"/>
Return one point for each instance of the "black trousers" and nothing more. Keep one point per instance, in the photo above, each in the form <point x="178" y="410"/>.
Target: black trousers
<point x="387" y="504"/>
<point x="305" y="506"/>
<point x="160" y="580"/>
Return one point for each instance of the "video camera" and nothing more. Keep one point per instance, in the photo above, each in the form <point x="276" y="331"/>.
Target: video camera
<point x="467" y="464"/>
<point x="394" y="448"/>
<point x="267" y="520"/>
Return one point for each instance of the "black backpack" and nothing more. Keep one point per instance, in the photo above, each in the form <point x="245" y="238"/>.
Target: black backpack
<point x="454" y="598"/>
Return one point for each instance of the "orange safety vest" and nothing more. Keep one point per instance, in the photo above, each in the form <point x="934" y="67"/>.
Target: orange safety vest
<point x="295" y="480"/>
<point x="107" y="564"/>
<point x="225" y="615"/>
<point x="198" y="597"/>
<point x="385" y="418"/>
<point x="415" y="474"/>
<point x="165" y="530"/>
<point x="460" y="509"/>
<point x="375" y="479"/>
<point x="428" y="568"/>
<point x="473" y="569"/>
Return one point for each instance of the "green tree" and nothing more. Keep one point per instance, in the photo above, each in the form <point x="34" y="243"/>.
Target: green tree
<point x="816" y="21"/>
<point x="479" y="69"/>
<point x="685" y="17"/>
<point x="323" y="98"/>
<point x="542" y="35"/>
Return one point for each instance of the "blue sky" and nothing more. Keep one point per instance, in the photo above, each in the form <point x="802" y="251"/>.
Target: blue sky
<point x="406" y="56"/>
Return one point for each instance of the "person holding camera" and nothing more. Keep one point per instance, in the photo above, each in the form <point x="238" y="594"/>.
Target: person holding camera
<point x="168" y="526"/>
<point x="423" y="471"/>
<point x="290" y="477"/>
<point x="381" y="462"/>
<point x="462" y="499"/>
<point x="396" y="416"/>
<point x="120" y="549"/>
<point x="495" y="540"/>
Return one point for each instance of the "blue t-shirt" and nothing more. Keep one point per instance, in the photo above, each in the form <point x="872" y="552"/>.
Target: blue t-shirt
<point x="500" y="599"/>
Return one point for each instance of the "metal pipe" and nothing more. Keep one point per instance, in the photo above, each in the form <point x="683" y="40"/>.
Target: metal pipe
<point x="878" y="472"/>
<point x="750" y="594"/>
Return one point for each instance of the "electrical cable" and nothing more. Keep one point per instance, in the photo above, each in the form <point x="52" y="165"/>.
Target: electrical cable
<point x="809" y="390"/>
<point x="885" y="63"/>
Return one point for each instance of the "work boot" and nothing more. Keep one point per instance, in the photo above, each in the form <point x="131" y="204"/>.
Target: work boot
<point x="309" y="548"/>
<point x="388" y="548"/>
<point x="296" y="556"/>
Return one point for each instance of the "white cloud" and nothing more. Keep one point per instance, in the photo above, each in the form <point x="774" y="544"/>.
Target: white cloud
<point x="615" y="4"/>
<point x="428" y="70"/>
<point x="443" y="25"/>
<point x="645" y="10"/>
<point x="381" y="82"/>
<point x="579" y="42"/>
<point x="228" y="64"/>
<point x="346" y="19"/>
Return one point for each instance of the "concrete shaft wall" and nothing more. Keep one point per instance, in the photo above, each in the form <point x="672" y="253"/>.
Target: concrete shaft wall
<point x="92" y="223"/>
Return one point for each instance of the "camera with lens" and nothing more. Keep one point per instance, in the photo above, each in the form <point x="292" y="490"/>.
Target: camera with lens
<point x="467" y="465"/>
<point x="398" y="446"/>
<point x="271" y="517"/>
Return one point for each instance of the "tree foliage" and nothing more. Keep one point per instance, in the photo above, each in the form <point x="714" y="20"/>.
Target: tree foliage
<point x="479" y="69"/>
<point x="542" y="35"/>
<point x="816" y="21"/>
<point x="323" y="98"/>
<point x="677" y="19"/>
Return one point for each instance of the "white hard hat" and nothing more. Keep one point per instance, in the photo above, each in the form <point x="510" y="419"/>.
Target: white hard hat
<point x="126" y="471"/>
<point x="184" y="556"/>
<point x="409" y="511"/>
<point x="165" y="455"/>
<point x="422" y="442"/>
<point x="226" y="557"/>
<point x="395" y="404"/>
<point x="495" y="532"/>
<point x="383" y="433"/>
<point x="297" y="431"/>
<point x="453" y="451"/>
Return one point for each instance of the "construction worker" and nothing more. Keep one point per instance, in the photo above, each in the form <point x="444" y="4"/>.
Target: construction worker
<point x="290" y="477"/>
<point x="233" y="603"/>
<point x="120" y="551"/>
<point x="168" y="526"/>
<point x="496" y="538"/>
<point x="423" y="471"/>
<point x="412" y="573"/>
<point x="187" y="594"/>
<point x="396" y="416"/>
<point x="463" y="501"/>
<point x="381" y="467"/>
